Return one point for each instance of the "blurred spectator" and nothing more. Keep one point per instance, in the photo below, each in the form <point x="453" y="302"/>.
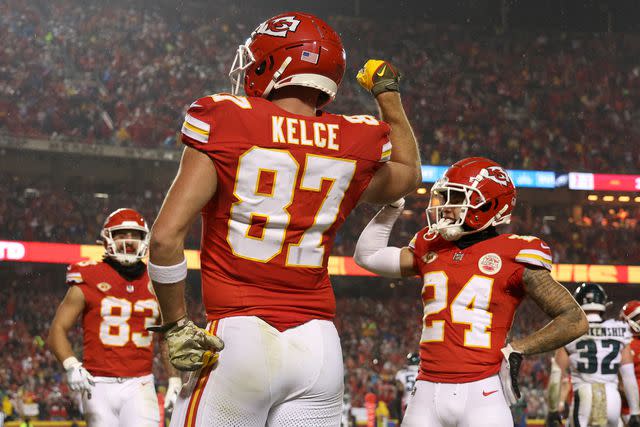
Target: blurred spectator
<point x="36" y="210"/>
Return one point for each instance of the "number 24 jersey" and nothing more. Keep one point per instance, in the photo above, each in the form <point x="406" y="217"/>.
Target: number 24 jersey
<point x="470" y="296"/>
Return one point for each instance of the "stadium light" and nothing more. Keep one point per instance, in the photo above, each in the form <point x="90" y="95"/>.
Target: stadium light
<point x="101" y="195"/>
<point x="592" y="197"/>
<point x="637" y="199"/>
<point x="624" y="199"/>
<point x="608" y="198"/>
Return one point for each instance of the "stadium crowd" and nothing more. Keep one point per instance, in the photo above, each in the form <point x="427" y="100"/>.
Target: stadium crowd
<point x="377" y="327"/>
<point x="122" y="73"/>
<point x="37" y="210"/>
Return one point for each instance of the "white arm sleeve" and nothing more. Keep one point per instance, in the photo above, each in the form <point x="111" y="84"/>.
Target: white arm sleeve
<point x="630" y="387"/>
<point x="372" y="252"/>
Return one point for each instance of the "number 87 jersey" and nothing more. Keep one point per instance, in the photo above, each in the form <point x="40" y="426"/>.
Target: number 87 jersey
<point x="470" y="296"/>
<point x="286" y="183"/>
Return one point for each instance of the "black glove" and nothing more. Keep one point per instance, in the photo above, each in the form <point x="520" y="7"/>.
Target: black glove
<point x="509" y="374"/>
<point x="634" y="421"/>
<point x="553" y="420"/>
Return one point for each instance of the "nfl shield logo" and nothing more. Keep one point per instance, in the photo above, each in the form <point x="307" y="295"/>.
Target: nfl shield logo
<point x="130" y="288"/>
<point x="457" y="257"/>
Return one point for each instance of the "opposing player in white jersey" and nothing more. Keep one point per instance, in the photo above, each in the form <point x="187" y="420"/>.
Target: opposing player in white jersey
<point x="407" y="377"/>
<point x="595" y="360"/>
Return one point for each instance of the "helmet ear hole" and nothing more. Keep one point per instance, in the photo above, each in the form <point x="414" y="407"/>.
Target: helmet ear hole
<point x="486" y="206"/>
<point x="260" y="69"/>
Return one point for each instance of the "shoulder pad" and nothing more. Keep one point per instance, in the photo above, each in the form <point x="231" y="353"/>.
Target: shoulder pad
<point x="532" y="251"/>
<point x="75" y="272"/>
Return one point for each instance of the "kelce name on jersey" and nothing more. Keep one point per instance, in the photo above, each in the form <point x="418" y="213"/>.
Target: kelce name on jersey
<point x="598" y="331"/>
<point x="287" y="130"/>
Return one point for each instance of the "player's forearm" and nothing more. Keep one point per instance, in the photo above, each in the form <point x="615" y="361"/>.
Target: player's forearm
<point x="568" y="320"/>
<point x="405" y="147"/>
<point x="563" y="329"/>
<point x="59" y="344"/>
<point x="167" y="249"/>
<point x="372" y="250"/>
<point x="555" y="380"/>
<point x="630" y="385"/>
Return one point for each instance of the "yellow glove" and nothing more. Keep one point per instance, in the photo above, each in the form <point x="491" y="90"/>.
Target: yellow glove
<point x="379" y="76"/>
<point x="190" y="347"/>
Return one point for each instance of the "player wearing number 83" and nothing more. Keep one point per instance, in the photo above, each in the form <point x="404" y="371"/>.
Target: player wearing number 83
<point x="115" y="299"/>
<point x="473" y="281"/>
<point x="274" y="177"/>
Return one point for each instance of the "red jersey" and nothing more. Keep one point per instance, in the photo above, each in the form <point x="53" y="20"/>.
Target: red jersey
<point x="286" y="183"/>
<point x="470" y="296"/>
<point x="115" y="317"/>
<point x="635" y="350"/>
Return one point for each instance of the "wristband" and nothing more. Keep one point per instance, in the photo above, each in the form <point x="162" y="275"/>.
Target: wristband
<point x="70" y="362"/>
<point x="166" y="274"/>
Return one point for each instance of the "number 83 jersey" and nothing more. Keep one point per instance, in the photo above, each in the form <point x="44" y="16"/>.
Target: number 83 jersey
<point x="595" y="357"/>
<point x="114" y="321"/>
<point x="286" y="183"/>
<point x="470" y="296"/>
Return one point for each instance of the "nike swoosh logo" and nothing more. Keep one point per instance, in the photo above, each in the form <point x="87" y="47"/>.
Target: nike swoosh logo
<point x="488" y="393"/>
<point x="381" y="72"/>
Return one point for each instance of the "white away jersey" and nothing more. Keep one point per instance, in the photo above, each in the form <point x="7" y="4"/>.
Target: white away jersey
<point x="595" y="356"/>
<point x="407" y="376"/>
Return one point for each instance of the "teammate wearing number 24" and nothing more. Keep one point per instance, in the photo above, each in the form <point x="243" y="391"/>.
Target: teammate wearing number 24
<point x="274" y="176"/>
<point x="473" y="281"/>
<point x="115" y="299"/>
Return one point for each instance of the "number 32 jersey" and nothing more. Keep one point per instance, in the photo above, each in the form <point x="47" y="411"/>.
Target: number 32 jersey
<point x="595" y="357"/>
<point x="470" y="296"/>
<point x="286" y="183"/>
<point x="116" y="315"/>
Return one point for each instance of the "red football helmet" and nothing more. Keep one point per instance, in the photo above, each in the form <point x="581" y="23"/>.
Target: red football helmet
<point x="482" y="191"/>
<point x="631" y="314"/>
<point x="126" y="251"/>
<point x="290" y="49"/>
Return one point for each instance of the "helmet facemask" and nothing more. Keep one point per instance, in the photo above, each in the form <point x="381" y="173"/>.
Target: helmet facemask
<point x="448" y="209"/>
<point x="632" y="318"/>
<point x="126" y="251"/>
<point x="244" y="59"/>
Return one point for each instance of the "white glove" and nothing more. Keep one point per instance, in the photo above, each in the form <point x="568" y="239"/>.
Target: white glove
<point x="170" y="397"/>
<point x="509" y="374"/>
<point x="78" y="378"/>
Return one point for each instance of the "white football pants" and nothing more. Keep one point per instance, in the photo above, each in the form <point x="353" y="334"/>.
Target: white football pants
<point x="595" y="405"/>
<point x="474" y="404"/>
<point x="266" y="377"/>
<point x="122" y="402"/>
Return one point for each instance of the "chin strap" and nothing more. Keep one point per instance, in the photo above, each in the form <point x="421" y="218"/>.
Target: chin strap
<point x="276" y="77"/>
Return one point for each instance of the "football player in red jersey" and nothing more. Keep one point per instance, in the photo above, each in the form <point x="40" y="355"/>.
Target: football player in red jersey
<point x="274" y="176"/>
<point x="630" y="313"/>
<point x="117" y="304"/>
<point x="473" y="281"/>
